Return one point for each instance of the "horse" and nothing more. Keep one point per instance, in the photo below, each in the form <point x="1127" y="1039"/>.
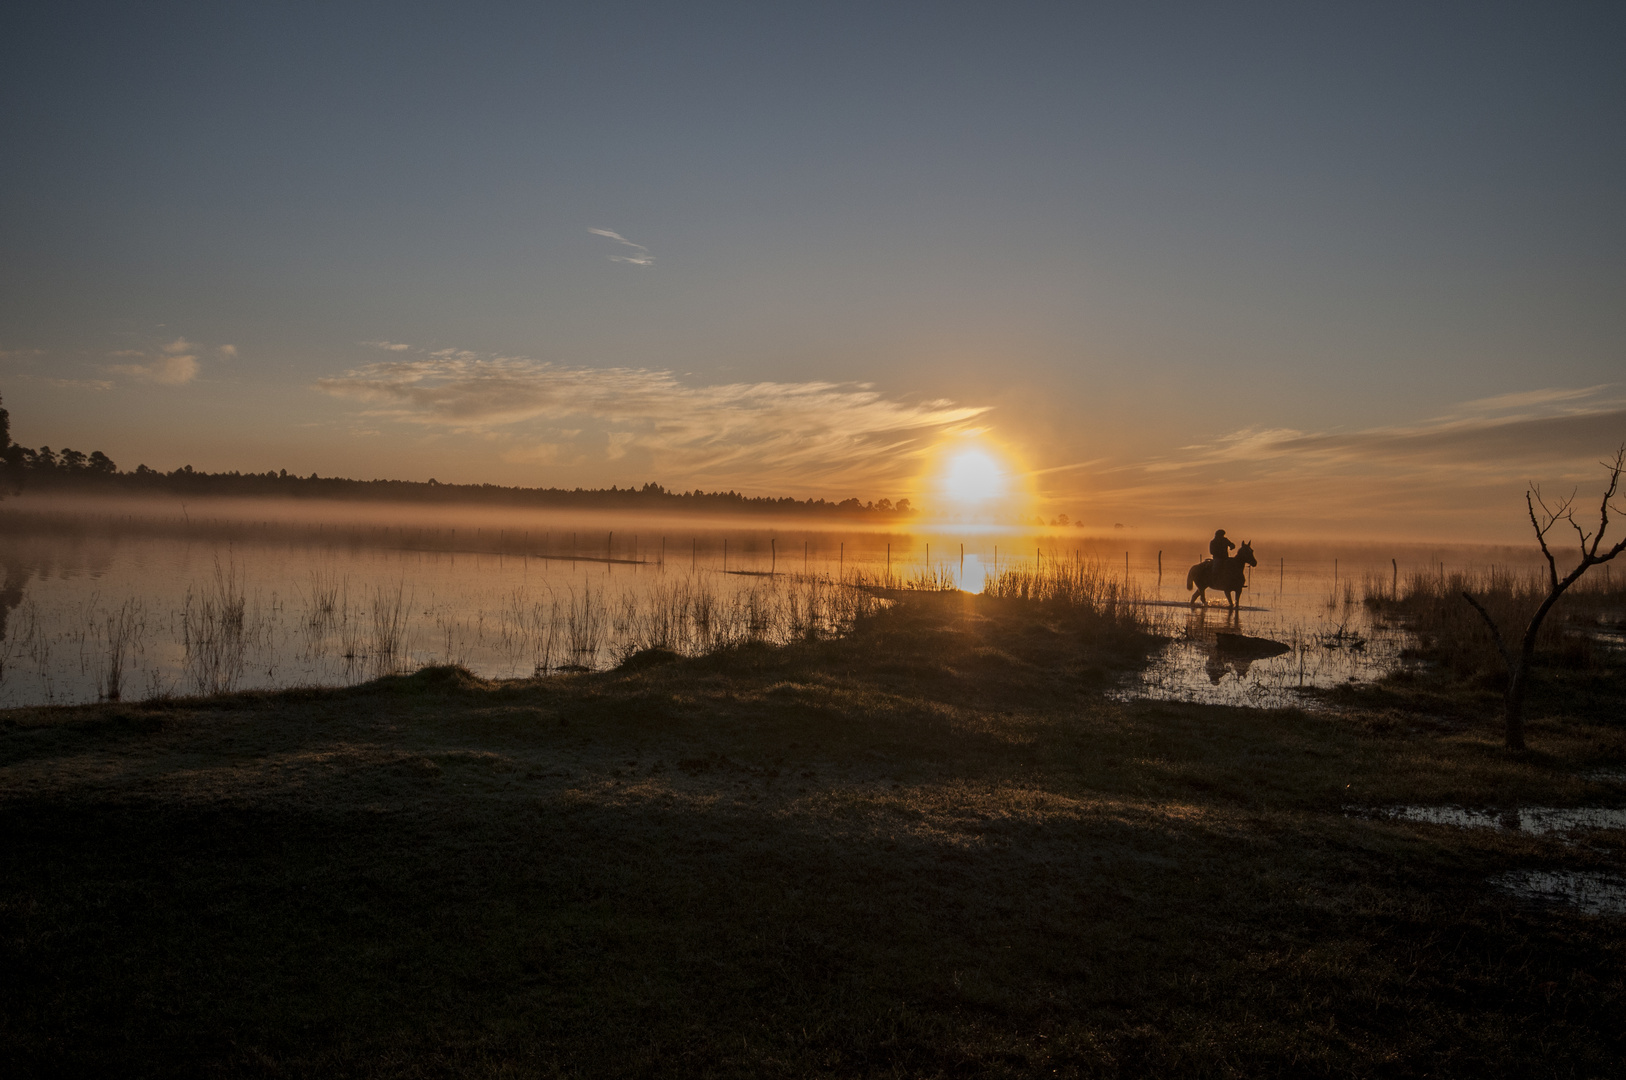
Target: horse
<point x="1225" y="573"/>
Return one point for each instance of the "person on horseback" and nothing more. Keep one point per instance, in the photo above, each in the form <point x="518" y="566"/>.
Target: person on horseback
<point x="1220" y="547"/>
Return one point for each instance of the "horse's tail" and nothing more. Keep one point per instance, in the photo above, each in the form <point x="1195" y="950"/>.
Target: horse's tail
<point x="1191" y="577"/>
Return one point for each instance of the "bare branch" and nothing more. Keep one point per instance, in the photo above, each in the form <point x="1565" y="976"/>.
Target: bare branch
<point x="1609" y="493"/>
<point x="1496" y="633"/>
<point x="1531" y="497"/>
<point x="1570" y="517"/>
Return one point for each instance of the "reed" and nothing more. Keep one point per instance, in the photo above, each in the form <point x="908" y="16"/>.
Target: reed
<point x="584" y="627"/>
<point x="214" y="631"/>
<point x="932" y="579"/>
<point x="1575" y="635"/>
<point x="1088" y="584"/>
<point x="391" y="611"/>
<point x="125" y="627"/>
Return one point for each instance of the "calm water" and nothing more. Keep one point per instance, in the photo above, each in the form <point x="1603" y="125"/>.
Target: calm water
<point x="186" y="602"/>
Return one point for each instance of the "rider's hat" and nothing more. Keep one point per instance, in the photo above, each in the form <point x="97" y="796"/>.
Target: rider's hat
<point x="1219" y="532"/>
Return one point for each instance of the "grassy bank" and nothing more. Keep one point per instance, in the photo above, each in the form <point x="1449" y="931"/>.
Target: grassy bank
<point x="932" y="847"/>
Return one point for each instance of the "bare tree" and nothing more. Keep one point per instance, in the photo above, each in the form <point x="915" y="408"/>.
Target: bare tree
<point x="1592" y="553"/>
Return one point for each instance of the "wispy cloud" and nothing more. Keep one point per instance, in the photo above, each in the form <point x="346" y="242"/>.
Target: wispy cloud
<point x="79" y="384"/>
<point x="1456" y="471"/>
<point x="172" y="364"/>
<point x="793" y="436"/>
<point x="390" y="346"/>
<point x="167" y="370"/>
<point x="642" y="257"/>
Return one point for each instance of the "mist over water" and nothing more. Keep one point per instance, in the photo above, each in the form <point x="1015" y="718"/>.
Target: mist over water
<point x="135" y="600"/>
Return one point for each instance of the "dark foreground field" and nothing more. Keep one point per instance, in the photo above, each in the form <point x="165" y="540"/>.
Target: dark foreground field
<point x="931" y="849"/>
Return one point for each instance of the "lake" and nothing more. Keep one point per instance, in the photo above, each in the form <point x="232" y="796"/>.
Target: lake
<point x="136" y="600"/>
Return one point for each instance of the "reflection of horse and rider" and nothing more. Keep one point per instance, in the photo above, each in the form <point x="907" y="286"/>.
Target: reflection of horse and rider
<point x="1222" y="571"/>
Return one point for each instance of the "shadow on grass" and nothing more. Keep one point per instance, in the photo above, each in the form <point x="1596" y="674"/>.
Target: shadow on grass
<point x="929" y="849"/>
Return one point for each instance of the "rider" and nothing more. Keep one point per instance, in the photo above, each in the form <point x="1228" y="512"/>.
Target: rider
<point x="1220" y="547"/>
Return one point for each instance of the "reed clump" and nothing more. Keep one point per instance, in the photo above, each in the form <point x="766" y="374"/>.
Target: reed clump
<point x="126" y="626"/>
<point x="689" y="617"/>
<point x="391" y="609"/>
<point x="214" y="631"/>
<point x="1581" y="632"/>
<point x="1092" y="587"/>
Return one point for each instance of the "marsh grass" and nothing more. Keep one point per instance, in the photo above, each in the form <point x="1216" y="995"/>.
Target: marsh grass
<point x="1450" y="633"/>
<point x="126" y="626"/>
<point x="584" y="627"/>
<point x="391" y="613"/>
<point x="932" y="579"/>
<point x="215" y="631"/>
<point x="1085" y="584"/>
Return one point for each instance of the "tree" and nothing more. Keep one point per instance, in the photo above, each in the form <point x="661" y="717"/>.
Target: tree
<point x="11" y="456"/>
<point x="1518" y="664"/>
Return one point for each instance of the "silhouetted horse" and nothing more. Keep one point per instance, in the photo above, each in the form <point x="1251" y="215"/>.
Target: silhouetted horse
<point x="1224" y="574"/>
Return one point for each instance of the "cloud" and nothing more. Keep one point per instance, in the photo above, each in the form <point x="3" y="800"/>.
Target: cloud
<point x="1511" y="429"/>
<point x="1461" y="472"/>
<point x="171" y="370"/>
<point x="391" y="346"/>
<point x="787" y="436"/>
<point x="179" y="345"/>
<point x="642" y="258"/>
<point x="79" y="384"/>
<point x="228" y="351"/>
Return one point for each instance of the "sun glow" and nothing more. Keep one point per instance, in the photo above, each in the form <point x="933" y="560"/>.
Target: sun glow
<point x="975" y="481"/>
<point x="973" y="477"/>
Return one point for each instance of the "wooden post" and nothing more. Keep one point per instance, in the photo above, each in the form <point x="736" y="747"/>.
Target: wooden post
<point x="1160" y="568"/>
<point x="725" y="554"/>
<point x="773" y="556"/>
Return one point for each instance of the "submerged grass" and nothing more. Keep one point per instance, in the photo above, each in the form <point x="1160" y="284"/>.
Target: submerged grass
<point x="929" y="846"/>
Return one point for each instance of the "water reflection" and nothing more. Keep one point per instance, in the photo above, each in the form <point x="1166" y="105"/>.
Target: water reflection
<point x="1589" y="892"/>
<point x="131" y="603"/>
<point x="1537" y="820"/>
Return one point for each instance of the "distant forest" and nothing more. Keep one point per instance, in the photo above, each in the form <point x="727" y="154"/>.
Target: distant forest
<point x="45" y="469"/>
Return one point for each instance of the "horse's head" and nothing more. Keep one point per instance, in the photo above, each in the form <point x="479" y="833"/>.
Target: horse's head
<point x="1245" y="553"/>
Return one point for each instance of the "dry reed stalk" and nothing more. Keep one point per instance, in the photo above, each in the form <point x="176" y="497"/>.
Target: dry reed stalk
<point x="125" y="628"/>
<point x="391" y="611"/>
<point x="214" y="632"/>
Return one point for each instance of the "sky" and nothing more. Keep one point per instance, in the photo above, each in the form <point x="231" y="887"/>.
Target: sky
<point x="1353" y="268"/>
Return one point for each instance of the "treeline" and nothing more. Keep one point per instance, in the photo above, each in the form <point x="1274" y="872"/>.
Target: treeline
<point x="63" y="470"/>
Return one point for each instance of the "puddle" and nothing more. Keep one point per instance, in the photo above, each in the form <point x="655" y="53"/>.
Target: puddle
<point x="1589" y="892"/>
<point x="1536" y="820"/>
<point x="1606" y="776"/>
<point x="1293" y="636"/>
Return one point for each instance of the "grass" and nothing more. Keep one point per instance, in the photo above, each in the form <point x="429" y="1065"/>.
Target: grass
<point x="930" y="847"/>
<point x="1454" y="638"/>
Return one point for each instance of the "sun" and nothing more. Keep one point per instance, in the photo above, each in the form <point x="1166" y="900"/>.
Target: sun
<point x="973" y="480"/>
<point x="973" y="477"/>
